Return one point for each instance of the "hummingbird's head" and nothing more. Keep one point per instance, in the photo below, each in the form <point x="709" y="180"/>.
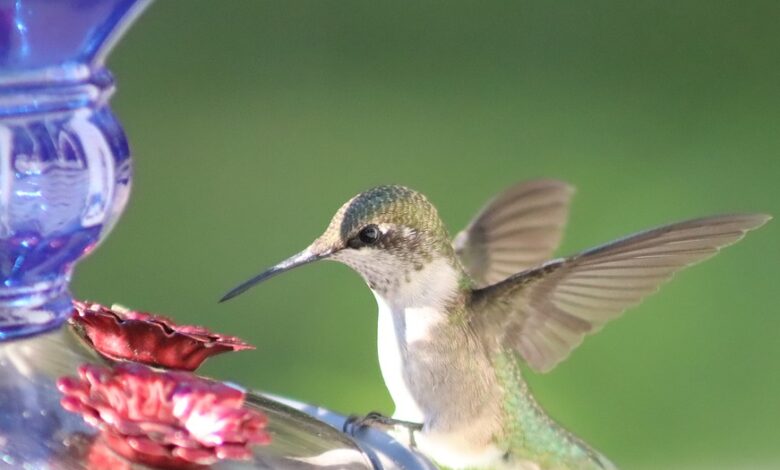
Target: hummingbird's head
<point x="386" y="234"/>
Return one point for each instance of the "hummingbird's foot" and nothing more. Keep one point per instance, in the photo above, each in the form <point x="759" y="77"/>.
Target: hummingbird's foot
<point x="374" y="418"/>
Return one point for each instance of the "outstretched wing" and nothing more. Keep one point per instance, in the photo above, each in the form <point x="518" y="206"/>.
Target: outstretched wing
<point x="545" y="312"/>
<point x="518" y="229"/>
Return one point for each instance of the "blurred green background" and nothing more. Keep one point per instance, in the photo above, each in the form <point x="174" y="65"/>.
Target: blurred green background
<point x="251" y="122"/>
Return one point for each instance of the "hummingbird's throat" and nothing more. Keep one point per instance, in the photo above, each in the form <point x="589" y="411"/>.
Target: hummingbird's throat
<point x="404" y="280"/>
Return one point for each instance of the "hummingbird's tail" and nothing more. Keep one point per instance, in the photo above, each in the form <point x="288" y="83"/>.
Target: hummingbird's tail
<point x="532" y="437"/>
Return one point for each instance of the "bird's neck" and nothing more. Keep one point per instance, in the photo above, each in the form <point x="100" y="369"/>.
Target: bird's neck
<point x="440" y="285"/>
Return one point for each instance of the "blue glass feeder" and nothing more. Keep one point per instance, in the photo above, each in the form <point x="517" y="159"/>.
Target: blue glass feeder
<point x="65" y="174"/>
<point x="65" y="166"/>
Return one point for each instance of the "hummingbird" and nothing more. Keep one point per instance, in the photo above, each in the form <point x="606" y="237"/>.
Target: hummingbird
<point x="459" y="317"/>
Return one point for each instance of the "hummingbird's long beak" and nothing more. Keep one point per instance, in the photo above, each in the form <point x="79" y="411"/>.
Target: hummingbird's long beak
<point x="304" y="257"/>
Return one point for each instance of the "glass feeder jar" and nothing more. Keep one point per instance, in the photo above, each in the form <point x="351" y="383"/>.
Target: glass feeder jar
<point x="65" y="176"/>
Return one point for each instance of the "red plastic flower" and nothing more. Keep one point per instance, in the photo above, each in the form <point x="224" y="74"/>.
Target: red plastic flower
<point x="122" y="334"/>
<point x="165" y="419"/>
<point x="101" y="456"/>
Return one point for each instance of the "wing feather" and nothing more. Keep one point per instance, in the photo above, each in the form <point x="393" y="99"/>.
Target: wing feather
<point x="518" y="229"/>
<point x="547" y="311"/>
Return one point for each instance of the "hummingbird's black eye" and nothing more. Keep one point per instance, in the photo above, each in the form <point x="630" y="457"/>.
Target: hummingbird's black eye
<point x="369" y="235"/>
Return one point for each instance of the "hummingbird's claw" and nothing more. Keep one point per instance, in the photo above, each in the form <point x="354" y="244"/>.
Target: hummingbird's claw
<point x="354" y="422"/>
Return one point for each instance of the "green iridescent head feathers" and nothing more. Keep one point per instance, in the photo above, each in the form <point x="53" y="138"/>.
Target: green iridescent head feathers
<point x="407" y="234"/>
<point x="391" y="205"/>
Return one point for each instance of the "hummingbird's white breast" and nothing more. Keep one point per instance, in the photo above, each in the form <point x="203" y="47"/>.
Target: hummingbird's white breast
<point x="408" y="316"/>
<point x="408" y="319"/>
<point x="391" y="344"/>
